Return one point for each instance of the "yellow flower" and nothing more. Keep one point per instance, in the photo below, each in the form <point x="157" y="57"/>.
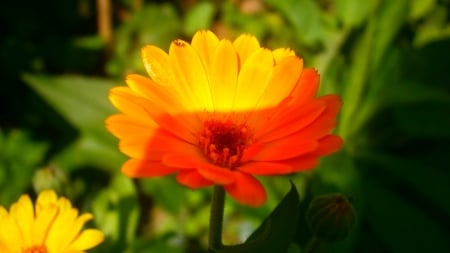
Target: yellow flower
<point x="52" y="226"/>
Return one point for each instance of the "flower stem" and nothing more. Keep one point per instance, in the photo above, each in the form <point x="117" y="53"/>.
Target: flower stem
<point x="216" y="218"/>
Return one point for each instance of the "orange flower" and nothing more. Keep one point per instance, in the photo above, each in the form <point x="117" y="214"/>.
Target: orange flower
<point x="216" y="112"/>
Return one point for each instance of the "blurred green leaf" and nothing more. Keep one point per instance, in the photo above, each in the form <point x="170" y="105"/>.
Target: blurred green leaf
<point x="20" y="156"/>
<point x="420" y="8"/>
<point x="275" y="233"/>
<point x="400" y="224"/>
<point x="83" y="102"/>
<point x="354" y="12"/>
<point x="198" y="17"/>
<point x="304" y="16"/>
<point x="116" y="212"/>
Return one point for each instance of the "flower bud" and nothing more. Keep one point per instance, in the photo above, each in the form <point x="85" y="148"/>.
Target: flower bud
<point x="330" y="217"/>
<point x="49" y="177"/>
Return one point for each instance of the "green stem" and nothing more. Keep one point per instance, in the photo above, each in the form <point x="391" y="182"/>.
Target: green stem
<point x="216" y="218"/>
<point x="315" y="245"/>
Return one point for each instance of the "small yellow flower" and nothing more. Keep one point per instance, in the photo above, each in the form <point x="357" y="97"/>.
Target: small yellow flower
<point x="52" y="226"/>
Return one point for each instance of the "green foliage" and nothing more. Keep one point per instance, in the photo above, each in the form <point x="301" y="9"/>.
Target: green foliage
<point x="387" y="59"/>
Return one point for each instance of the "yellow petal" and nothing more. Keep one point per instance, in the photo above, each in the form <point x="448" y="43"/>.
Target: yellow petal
<point x="204" y="43"/>
<point x="282" y="53"/>
<point x="283" y="80"/>
<point x="22" y="211"/>
<point x="224" y="75"/>
<point x="253" y="79"/>
<point x="156" y="62"/>
<point x="190" y="76"/>
<point x="89" y="238"/>
<point x="245" y="45"/>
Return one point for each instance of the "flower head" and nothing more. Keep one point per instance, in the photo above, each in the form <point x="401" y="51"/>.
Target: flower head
<point x="51" y="226"/>
<point x="217" y="112"/>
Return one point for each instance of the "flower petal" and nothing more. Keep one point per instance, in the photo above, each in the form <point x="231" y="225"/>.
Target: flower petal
<point x="286" y="72"/>
<point x="307" y="86"/>
<point x="151" y="146"/>
<point x="288" y="121"/>
<point x="190" y="75"/>
<point x="157" y="64"/>
<point x="142" y="168"/>
<point x="89" y="238"/>
<point x="265" y="168"/>
<point x="286" y="148"/>
<point x="122" y="125"/>
<point x="224" y="79"/>
<point x="253" y="80"/>
<point x="246" y="190"/>
<point x="245" y="45"/>
<point x="209" y="171"/>
<point x="204" y="43"/>
<point x="192" y="179"/>
<point x="328" y="145"/>
<point x="23" y="212"/>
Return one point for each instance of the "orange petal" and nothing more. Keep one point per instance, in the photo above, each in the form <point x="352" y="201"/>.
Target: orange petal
<point x="245" y="45"/>
<point x="265" y="168"/>
<point x="302" y="163"/>
<point x="328" y="145"/>
<point x="142" y="168"/>
<point x="156" y="62"/>
<point x="190" y="76"/>
<point x="253" y="80"/>
<point x="224" y="75"/>
<point x="286" y="148"/>
<point x="209" y="171"/>
<point x="192" y="179"/>
<point x="247" y="190"/>
<point x="307" y="86"/>
<point x="288" y="121"/>
<point x="124" y="99"/>
<point x="251" y="151"/>
<point x="122" y="125"/>
<point x="164" y="96"/>
<point x="160" y="142"/>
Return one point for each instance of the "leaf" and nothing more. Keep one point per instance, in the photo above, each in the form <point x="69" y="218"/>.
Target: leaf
<point x="199" y="17"/>
<point x="277" y="230"/>
<point x="83" y="101"/>
<point x="116" y="211"/>
<point x="19" y="158"/>
<point x="354" y="12"/>
<point x="304" y="15"/>
<point x="401" y="225"/>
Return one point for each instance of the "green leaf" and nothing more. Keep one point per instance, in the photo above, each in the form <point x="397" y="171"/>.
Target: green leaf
<point x="354" y="12"/>
<point x="199" y="17"/>
<point x="116" y="211"/>
<point x="400" y="224"/>
<point x="304" y="16"/>
<point x="276" y="232"/>
<point x="83" y="101"/>
<point x="19" y="158"/>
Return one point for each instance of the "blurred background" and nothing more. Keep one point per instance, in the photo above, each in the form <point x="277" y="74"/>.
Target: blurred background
<point x="389" y="60"/>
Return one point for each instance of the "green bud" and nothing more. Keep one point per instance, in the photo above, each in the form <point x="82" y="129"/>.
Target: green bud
<point x="330" y="217"/>
<point x="49" y="177"/>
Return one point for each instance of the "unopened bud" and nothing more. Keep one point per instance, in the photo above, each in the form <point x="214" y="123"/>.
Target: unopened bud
<point x="49" y="177"/>
<point x="330" y="217"/>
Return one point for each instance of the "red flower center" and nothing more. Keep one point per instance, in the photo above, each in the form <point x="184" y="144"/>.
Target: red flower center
<point x="223" y="142"/>
<point x="36" y="249"/>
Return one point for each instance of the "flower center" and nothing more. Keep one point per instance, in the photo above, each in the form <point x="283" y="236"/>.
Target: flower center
<point x="36" y="249"/>
<point x="223" y="142"/>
